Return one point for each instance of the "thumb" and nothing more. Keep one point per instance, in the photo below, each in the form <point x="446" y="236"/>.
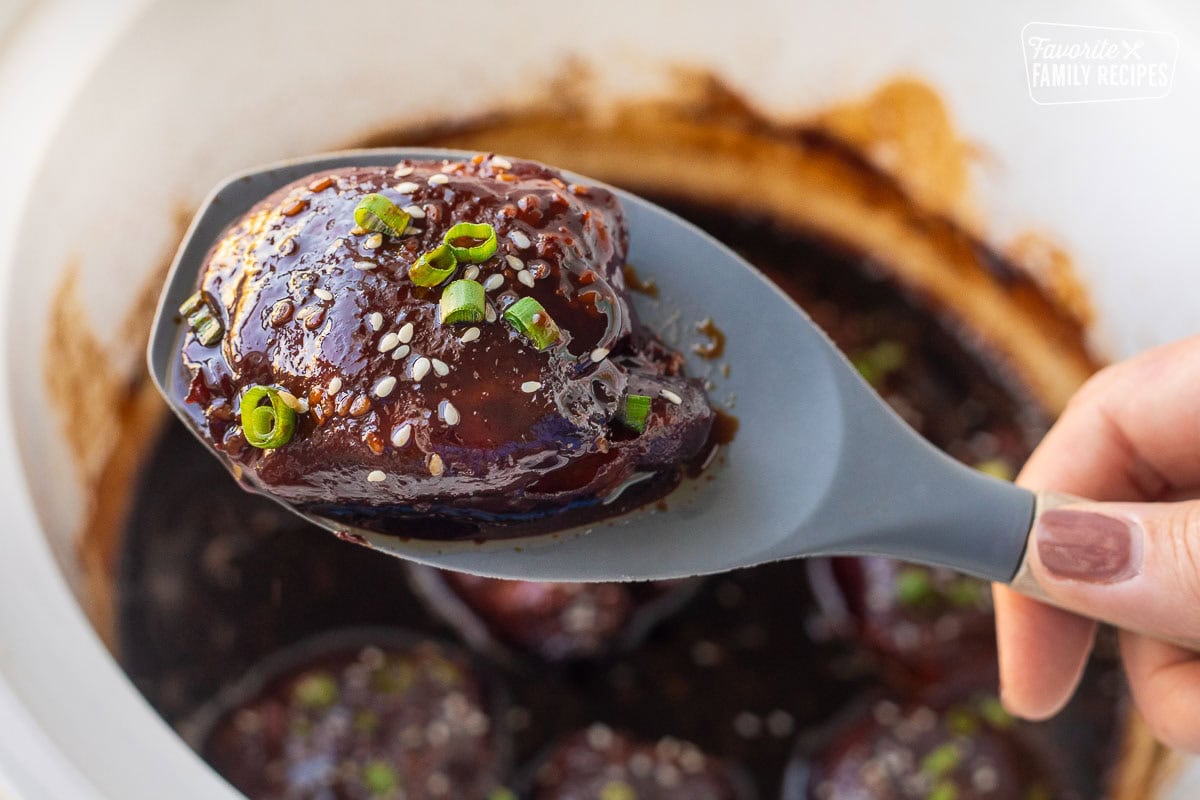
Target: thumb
<point x="1136" y="565"/>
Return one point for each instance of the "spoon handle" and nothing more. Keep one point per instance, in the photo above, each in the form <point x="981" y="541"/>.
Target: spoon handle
<point x="1026" y="582"/>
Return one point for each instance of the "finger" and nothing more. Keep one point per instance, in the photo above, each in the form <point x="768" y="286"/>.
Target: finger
<point x="1037" y="689"/>
<point x="1165" y="681"/>
<point x="1136" y="565"/>
<point x="1116" y="442"/>
<point x="1130" y="434"/>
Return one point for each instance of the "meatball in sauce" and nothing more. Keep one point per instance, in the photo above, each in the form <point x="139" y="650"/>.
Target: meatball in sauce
<point x="438" y="349"/>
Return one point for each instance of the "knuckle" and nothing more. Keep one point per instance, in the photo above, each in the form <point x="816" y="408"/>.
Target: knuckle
<point x="1180" y="528"/>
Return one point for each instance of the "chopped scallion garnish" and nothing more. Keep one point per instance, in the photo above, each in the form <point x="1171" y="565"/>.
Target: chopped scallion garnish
<point x="635" y="408"/>
<point x="266" y="426"/>
<point x="379" y="214"/>
<point x="433" y="267"/>
<point x="462" y="301"/>
<point x="201" y="319"/>
<point x="472" y="242"/>
<point x="533" y="322"/>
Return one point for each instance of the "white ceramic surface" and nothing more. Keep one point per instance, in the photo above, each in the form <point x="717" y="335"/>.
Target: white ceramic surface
<point x="191" y="91"/>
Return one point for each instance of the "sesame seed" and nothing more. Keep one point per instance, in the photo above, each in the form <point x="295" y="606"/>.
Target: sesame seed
<point x="439" y="179"/>
<point x="747" y="725"/>
<point x="286" y="247"/>
<point x="667" y="394"/>
<point x="389" y="341"/>
<point x="529" y="387"/>
<point x="449" y="413"/>
<point x="376" y="475"/>
<point x="440" y="367"/>
<point x="493" y="282"/>
<point x="385" y="386"/>
<point x="599" y="736"/>
<point x="420" y="368"/>
<point x="471" y="272"/>
<point x="599" y="354"/>
<point x="375" y="320"/>
<point x="401" y="435"/>
<point x="333" y="248"/>
<point x="408" y="187"/>
<point x="373" y="241"/>
<point x="489" y="312"/>
<point x="514" y="262"/>
<point x="335" y="385"/>
<point x="289" y="400"/>
<point x="406" y="332"/>
<point x="520" y="239"/>
<point x="324" y="294"/>
<point x="365" y="266"/>
<point x="410" y="231"/>
<point x="415" y="211"/>
<point x="357" y="230"/>
<point x="403" y="171"/>
<point x="436" y="465"/>
<point x="525" y="277"/>
<point x="502" y="163"/>
<point x="470" y="335"/>
<point x="400" y="352"/>
<point x="780" y="723"/>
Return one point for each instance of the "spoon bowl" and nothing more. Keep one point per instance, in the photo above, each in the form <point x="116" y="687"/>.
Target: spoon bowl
<point x="820" y="465"/>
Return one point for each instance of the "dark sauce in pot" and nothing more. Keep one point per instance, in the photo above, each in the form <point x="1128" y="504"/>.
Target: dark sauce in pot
<point x="213" y="579"/>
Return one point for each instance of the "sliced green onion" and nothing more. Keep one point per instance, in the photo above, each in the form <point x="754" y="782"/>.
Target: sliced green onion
<point x="192" y="304"/>
<point x="481" y="234"/>
<point x="202" y="319"/>
<point x="316" y="690"/>
<point x="913" y="587"/>
<point x="433" y="267"/>
<point x="379" y="214"/>
<point x="208" y="329"/>
<point x="462" y="301"/>
<point x="634" y="410"/>
<point x="380" y="778"/>
<point x="994" y="713"/>
<point x="266" y="426"/>
<point x="533" y="322"/>
<point x="941" y="761"/>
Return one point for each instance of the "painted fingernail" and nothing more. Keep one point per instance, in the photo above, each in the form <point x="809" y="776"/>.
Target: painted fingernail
<point x="1086" y="546"/>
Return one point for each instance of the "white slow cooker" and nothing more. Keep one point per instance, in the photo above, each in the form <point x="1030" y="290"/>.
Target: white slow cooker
<point x="116" y="117"/>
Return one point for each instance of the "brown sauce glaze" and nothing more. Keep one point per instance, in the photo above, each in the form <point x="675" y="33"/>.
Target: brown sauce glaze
<point x="407" y="425"/>
<point x="715" y="346"/>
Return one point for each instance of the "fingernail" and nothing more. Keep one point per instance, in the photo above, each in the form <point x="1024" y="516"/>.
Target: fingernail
<point x="1086" y="546"/>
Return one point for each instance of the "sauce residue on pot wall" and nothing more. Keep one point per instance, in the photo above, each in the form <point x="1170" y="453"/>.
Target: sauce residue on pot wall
<point x="907" y="207"/>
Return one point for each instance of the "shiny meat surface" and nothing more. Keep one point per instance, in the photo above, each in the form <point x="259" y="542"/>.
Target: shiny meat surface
<point x="419" y="428"/>
<point x="971" y="750"/>
<point x="372" y="723"/>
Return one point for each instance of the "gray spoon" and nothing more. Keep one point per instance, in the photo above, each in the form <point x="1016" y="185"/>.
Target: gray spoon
<point x="820" y="465"/>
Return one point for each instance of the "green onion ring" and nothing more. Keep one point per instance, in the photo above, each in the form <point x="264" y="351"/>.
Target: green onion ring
<point x="634" y="411"/>
<point x="433" y="267"/>
<point x="266" y="426"/>
<point x="379" y="214"/>
<point x="533" y="322"/>
<point x="480" y="232"/>
<point x="201" y="319"/>
<point x="462" y="301"/>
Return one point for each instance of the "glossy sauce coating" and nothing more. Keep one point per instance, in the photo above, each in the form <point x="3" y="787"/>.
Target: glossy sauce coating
<point x="404" y="419"/>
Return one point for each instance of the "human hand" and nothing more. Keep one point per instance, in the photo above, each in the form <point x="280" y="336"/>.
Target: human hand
<point x="1131" y="436"/>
